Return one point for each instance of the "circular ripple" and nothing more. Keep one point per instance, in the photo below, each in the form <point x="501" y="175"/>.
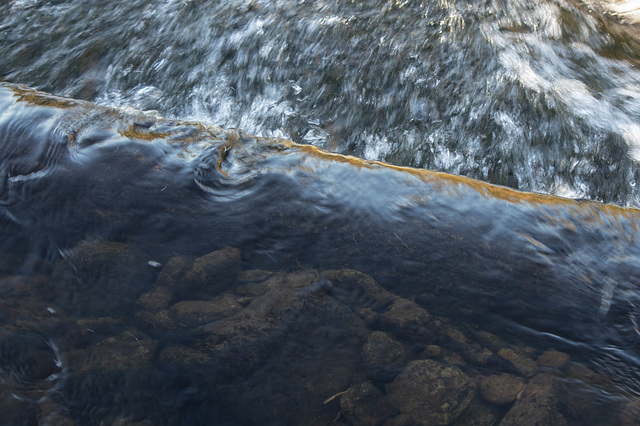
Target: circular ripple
<point x="29" y="363"/>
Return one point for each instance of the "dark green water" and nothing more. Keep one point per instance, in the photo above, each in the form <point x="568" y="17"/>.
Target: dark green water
<point x="161" y="271"/>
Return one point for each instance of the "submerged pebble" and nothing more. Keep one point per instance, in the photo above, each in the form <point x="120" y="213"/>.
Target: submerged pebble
<point x="418" y="392"/>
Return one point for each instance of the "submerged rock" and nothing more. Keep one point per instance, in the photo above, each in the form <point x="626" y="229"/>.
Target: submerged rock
<point x="478" y="414"/>
<point x="490" y="340"/>
<point x="156" y="299"/>
<point x="89" y="331"/>
<point x="357" y="290"/>
<point x="100" y="277"/>
<point x="581" y="372"/>
<point x="431" y="351"/>
<point x="254" y="275"/>
<point x="630" y="414"/>
<point x="9" y="262"/>
<point x="431" y="393"/>
<point x="192" y="313"/>
<point x="173" y="271"/>
<point x="128" y="350"/>
<point x="250" y="290"/>
<point x="501" y="389"/>
<point x="363" y="405"/>
<point x="526" y="367"/>
<point x="276" y="303"/>
<point x="455" y="334"/>
<point x="406" y="320"/>
<point x="16" y="411"/>
<point x="289" y="365"/>
<point x="383" y="356"/>
<point x="185" y="356"/>
<point x="202" y="277"/>
<point x="51" y="411"/>
<point x="537" y="404"/>
<point x="552" y="358"/>
<point x="156" y="321"/>
<point x="210" y="275"/>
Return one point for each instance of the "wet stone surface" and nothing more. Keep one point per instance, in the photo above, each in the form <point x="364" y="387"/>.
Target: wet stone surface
<point x="364" y="404"/>
<point x="501" y="389"/>
<point x="383" y="356"/>
<point x="431" y="392"/>
<point x="100" y="277"/>
<point x="537" y="404"/>
<point x="209" y="275"/>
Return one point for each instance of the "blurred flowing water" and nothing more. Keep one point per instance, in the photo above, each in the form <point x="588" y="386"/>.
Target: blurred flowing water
<point x="539" y="96"/>
<point x="158" y="266"/>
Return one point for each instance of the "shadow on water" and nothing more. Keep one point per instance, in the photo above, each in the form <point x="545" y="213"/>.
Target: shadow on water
<point x="157" y="271"/>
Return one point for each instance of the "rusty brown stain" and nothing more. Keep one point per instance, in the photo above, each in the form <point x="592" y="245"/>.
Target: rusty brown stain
<point x="137" y="132"/>
<point x="587" y="208"/>
<point x="35" y="97"/>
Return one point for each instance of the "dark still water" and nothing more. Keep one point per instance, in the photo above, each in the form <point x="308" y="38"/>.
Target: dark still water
<point x="160" y="267"/>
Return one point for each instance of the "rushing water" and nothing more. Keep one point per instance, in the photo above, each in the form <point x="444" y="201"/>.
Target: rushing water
<point x="168" y="271"/>
<point x="537" y="95"/>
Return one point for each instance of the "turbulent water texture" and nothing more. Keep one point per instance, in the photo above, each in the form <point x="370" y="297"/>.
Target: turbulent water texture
<point x="111" y="220"/>
<point x="536" y="95"/>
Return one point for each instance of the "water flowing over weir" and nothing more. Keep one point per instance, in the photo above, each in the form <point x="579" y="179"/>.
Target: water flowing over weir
<point x="536" y="95"/>
<point x="169" y="271"/>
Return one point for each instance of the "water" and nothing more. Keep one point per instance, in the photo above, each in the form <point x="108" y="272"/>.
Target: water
<point x="539" y="96"/>
<point x="162" y="271"/>
<point x="178" y="273"/>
